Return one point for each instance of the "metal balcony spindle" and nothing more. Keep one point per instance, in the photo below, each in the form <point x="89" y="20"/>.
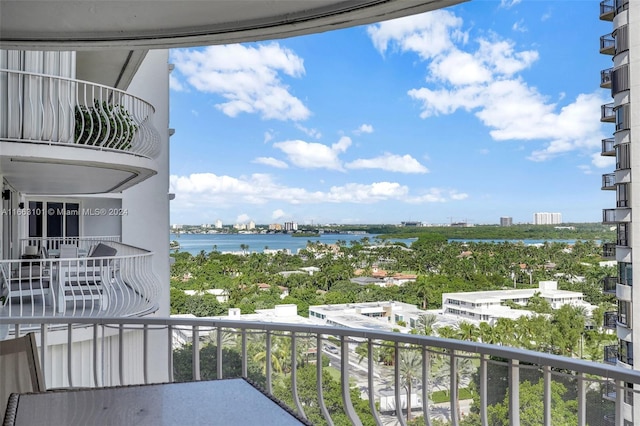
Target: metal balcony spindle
<point x="323" y="406"/>
<point x="219" y="353"/>
<point x="170" y="352"/>
<point x="426" y="369"/>
<point x="268" y="362"/>
<point x="70" y="354"/>
<point x="294" y="374"/>
<point x="484" y="370"/>
<point x="145" y="353"/>
<point x="396" y="383"/>
<point x="244" y="353"/>
<point x="344" y="379"/>
<point x="546" y="374"/>
<point x="514" y="392"/>
<point x="95" y="356"/>
<point x="453" y="387"/>
<point x="195" y="353"/>
<point x="121" y="354"/>
<point x="371" y="384"/>
<point x="582" y="400"/>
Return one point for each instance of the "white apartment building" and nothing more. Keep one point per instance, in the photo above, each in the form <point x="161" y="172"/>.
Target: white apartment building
<point x="487" y="306"/>
<point x="218" y="224"/>
<point x="380" y="316"/>
<point x="622" y="78"/>
<point x="545" y="218"/>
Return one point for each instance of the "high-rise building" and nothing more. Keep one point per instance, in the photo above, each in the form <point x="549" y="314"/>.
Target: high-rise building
<point x="218" y="224"/>
<point x="623" y="80"/>
<point x="506" y="221"/>
<point x="545" y="218"/>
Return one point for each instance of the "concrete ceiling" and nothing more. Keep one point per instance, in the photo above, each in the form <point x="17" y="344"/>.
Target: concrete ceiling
<point x="29" y="169"/>
<point x="135" y="24"/>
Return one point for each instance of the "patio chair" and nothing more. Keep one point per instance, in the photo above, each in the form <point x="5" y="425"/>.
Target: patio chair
<point x="27" y="281"/>
<point x="68" y="251"/>
<point x="20" y="367"/>
<point x="84" y="280"/>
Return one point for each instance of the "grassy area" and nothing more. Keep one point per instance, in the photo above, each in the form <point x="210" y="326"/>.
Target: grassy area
<point x="443" y="396"/>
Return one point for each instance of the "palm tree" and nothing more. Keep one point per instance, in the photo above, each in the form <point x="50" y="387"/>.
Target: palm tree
<point x="425" y="323"/>
<point x="468" y="331"/>
<point x="410" y="366"/>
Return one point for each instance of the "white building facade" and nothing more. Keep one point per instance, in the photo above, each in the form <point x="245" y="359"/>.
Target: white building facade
<point x="623" y="81"/>
<point x="545" y="218"/>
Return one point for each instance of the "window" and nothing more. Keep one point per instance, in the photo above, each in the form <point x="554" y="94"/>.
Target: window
<point x="623" y="156"/>
<point x="622" y="195"/>
<point x="625" y="352"/>
<point x="621" y="36"/>
<point x="622" y="117"/>
<point x="625" y="273"/>
<point x="624" y="312"/>
<point x="623" y="234"/>
<point x="54" y="219"/>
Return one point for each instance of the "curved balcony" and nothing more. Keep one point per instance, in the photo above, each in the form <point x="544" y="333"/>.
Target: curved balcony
<point x="119" y="283"/>
<point x="65" y="127"/>
<point x="130" y="351"/>
<point x="609" y="285"/>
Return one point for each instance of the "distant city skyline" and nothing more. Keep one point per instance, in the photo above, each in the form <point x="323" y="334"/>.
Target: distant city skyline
<point x="482" y="110"/>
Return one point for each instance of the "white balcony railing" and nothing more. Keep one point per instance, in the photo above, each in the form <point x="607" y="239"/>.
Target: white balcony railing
<point x="119" y="285"/>
<point x="40" y="108"/>
<point x="53" y="243"/>
<point x="119" y="352"/>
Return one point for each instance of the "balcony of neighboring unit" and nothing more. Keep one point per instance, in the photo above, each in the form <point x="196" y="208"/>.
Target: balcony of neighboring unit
<point x="128" y="352"/>
<point x="613" y="216"/>
<point x="610" y="320"/>
<point x="605" y="78"/>
<point x="609" y="285"/>
<point x="55" y="129"/>
<point x="609" y="181"/>
<point x="610" y="392"/>
<point x="609" y="250"/>
<point x="608" y="147"/>
<point x="100" y="277"/>
<point x="607" y="10"/>
<point x="607" y="45"/>
<point x="607" y="115"/>
<point x="611" y="354"/>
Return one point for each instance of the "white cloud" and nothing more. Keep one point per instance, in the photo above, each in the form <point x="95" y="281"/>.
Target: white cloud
<point x="519" y="26"/>
<point x="175" y="84"/>
<point x="243" y="218"/>
<point x="204" y="189"/>
<point x="585" y="169"/>
<point x="248" y="77"/>
<point x="314" y="133"/>
<point x="603" y="162"/>
<point x="427" y="34"/>
<point x="484" y="79"/>
<point x="268" y="136"/>
<point x="313" y="155"/>
<point x="509" y="3"/>
<point x="278" y="214"/>
<point x="364" y="128"/>
<point x="270" y="161"/>
<point x="391" y="163"/>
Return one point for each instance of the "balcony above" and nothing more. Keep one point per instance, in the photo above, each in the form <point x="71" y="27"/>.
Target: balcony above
<point x="611" y="354"/>
<point x="610" y="320"/>
<point x="63" y="128"/>
<point x="119" y="283"/>
<point x="613" y="216"/>
<point x="607" y="45"/>
<point x="71" y="25"/>
<point x="607" y="10"/>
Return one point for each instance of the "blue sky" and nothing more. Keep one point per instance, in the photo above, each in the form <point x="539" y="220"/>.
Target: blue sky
<point x="482" y="110"/>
